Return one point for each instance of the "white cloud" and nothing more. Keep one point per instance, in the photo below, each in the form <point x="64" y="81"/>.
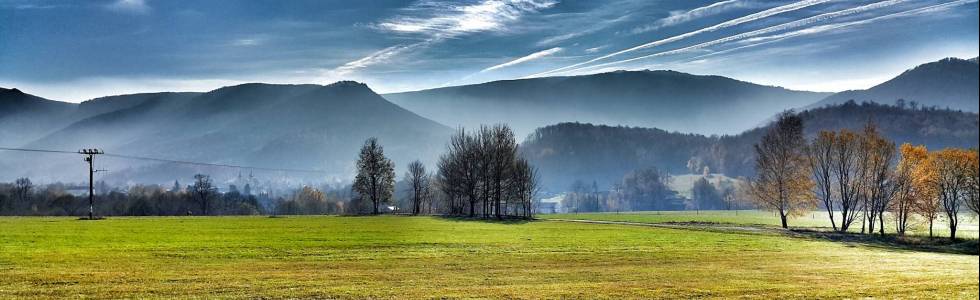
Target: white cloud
<point x="678" y="17"/>
<point x="594" y="49"/>
<point x="447" y="19"/>
<point x="529" y="57"/>
<point x="247" y="42"/>
<point x="129" y="6"/>
<point x="733" y="22"/>
<point x="437" y="21"/>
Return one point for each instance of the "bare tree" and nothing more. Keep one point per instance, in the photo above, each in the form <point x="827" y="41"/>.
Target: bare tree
<point x="418" y="181"/>
<point x="951" y="181"/>
<point x="782" y="171"/>
<point x="524" y="187"/>
<point x="477" y="174"/>
<point x="877" y="156"/>
<point x="375" y="179"/>
<point x="847" y="173"/>
<point x="459" y="174"/>
<point x="973" y="183"/>
<point x="23" y="188"/>
<point x="503" y="147"/>
<point x="821" y="157"/>
<point x="203" y="188"/>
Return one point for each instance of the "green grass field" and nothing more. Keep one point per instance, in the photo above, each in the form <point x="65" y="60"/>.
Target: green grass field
<point x="428" y="257"/>
<point x="968" y="227"/>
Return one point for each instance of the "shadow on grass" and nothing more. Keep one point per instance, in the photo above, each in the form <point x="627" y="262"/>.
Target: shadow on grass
<point x="894" y="242"/>
<point x="491" y="220"/>
<point x="887" y="242"/>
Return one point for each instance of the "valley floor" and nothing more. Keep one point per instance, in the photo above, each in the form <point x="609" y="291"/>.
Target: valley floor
<point x="423" y="257"/>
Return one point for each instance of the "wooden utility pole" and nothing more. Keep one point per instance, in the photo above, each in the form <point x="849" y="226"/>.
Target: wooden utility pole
<point x="89" y="158"/>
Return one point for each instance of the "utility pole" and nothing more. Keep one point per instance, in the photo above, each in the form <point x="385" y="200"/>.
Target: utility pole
<point x="89" y="158"/>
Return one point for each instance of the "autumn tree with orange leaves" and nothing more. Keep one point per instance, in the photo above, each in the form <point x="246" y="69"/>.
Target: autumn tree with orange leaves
<point x="911" y="185"/>
<point x="782" y="183"/>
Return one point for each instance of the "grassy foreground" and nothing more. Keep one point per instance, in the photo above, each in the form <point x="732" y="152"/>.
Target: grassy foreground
<point x="423" y="257"/>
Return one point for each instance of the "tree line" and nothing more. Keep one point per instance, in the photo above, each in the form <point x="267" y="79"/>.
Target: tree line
<point x="23" y="197"/>
<point x="480" y="175"/>
<point x="859" y="176"/>
<point x="639" y="190"/>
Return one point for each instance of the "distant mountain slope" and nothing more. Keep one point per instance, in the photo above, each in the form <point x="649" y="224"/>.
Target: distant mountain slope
<point x="949" y="83"/>
<point x="573" y="151"/>
<point x="662" y="99"/>
<point x="23" y="115"/>
<point x="262" y="125"/>
<point x="25" y="118"/>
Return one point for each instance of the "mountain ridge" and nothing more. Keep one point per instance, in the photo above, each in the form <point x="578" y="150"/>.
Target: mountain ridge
<point x="661" y="98"/>
<point x="946" y="83"/>
<point x="260" y="125"/>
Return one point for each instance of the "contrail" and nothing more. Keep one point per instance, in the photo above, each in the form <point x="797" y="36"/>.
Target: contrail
<point x="527" y="58"/>
<point x="767" y="30"/>
<point x="726" y="24"/>
<point x="824" y="28"/>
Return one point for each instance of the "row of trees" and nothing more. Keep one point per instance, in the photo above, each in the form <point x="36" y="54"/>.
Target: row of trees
<point x="201" y="198"/>
<point x="481" y="174"/>
<point x="643" y="189"/>
<point x="861" y="176"/>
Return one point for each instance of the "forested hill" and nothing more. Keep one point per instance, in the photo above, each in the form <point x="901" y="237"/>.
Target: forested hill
<point x="567" y="152"/>
<point x="573" y="151"/>
<point x="662" y="99"/>
<point x="264" y="125"/>
<point x="949" y="83"/>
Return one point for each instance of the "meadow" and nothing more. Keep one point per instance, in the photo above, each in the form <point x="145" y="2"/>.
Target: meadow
<point x="425" y="257"/>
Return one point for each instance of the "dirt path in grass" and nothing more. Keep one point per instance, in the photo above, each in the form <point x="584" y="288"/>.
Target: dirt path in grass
<point x="683" y="225"/>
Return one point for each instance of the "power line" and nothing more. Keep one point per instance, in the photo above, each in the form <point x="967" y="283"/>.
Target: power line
<point x="173" y="161"/>
<point x="37" y="150"/>
<point x="212" y="164"/>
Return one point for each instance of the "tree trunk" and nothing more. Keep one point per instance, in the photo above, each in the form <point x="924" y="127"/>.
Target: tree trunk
<point x="830" y="212"/>
<point x="782" y="217"/>
<point x="930" y="228"/>
<point x="881" y="223"/>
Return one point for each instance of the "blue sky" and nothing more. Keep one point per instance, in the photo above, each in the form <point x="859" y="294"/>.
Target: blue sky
<point x="77" y="50"/>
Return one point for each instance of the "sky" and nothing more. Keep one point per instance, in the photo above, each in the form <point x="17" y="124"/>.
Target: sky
<point x="78" y="50"/>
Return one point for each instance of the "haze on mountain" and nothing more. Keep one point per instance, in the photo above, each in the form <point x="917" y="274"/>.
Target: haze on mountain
<point x="259" y="125"/>
<point x="663" y="99"/>
<point x="948" y="83"/>
<point x="320" y="127"/>
<point x="570" y="152"/>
